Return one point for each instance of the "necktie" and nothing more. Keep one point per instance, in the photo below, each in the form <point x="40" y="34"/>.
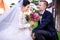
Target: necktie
<point x="40" y="14"/>
<point x="40" y="17"/>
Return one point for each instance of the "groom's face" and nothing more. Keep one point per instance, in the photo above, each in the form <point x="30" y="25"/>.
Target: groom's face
<point x="41" y="6"/>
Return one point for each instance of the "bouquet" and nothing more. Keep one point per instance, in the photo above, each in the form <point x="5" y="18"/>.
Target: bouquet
<point x="33" y="16"/>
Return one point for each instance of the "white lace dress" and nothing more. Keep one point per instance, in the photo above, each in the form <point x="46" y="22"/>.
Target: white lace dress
<point x="18" y="29"/>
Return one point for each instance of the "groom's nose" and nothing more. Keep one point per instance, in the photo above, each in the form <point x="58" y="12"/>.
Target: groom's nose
<point x="38" y="6"/>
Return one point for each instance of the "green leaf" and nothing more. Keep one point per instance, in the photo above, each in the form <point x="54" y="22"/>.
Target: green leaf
<point x="35" y="25"/>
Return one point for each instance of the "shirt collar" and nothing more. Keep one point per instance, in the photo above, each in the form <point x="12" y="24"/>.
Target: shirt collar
<point x="42" y="12"/>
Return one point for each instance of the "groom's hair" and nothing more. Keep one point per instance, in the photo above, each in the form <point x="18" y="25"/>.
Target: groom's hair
<point x="26" y="2"/>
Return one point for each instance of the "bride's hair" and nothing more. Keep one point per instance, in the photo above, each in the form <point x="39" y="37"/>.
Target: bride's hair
<point x="26" y="2"/>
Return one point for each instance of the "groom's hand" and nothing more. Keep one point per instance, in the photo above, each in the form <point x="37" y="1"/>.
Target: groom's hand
<point x="33" y="36"/>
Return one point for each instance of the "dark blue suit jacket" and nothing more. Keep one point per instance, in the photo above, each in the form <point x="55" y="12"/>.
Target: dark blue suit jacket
<point x="47" y="23"/>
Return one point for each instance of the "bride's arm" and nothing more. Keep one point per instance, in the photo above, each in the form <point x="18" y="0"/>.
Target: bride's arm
<point x="22" y="21"/>
<point x="28" y="24"/>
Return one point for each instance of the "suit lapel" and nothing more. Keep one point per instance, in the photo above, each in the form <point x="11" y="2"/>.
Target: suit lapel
<point x="42" y="17"/>
<point x="44" y="14"/>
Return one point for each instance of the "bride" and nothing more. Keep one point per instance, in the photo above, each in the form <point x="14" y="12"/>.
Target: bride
<point x="13" y="25"/>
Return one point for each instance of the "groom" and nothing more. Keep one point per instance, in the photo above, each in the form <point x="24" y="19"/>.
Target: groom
<point x="46" y="25"/>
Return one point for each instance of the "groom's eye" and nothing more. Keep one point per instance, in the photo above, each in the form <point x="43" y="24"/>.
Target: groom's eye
<point x="39" y="5"/>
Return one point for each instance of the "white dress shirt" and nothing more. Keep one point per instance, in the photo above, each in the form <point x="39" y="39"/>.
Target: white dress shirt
<point x="42" y="12"/>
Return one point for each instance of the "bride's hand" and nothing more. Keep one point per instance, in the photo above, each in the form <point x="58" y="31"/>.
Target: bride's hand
<point x="31" y="22"/>
<point x="33" y="37"/>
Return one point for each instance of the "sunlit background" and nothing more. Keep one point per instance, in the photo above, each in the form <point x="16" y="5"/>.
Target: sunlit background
<point x="8" y="2"/>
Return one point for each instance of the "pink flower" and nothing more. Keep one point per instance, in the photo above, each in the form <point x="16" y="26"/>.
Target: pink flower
<point x="35" y="15"/>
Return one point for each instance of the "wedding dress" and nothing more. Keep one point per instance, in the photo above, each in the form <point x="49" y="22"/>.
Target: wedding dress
<point x="13" y="25"/>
